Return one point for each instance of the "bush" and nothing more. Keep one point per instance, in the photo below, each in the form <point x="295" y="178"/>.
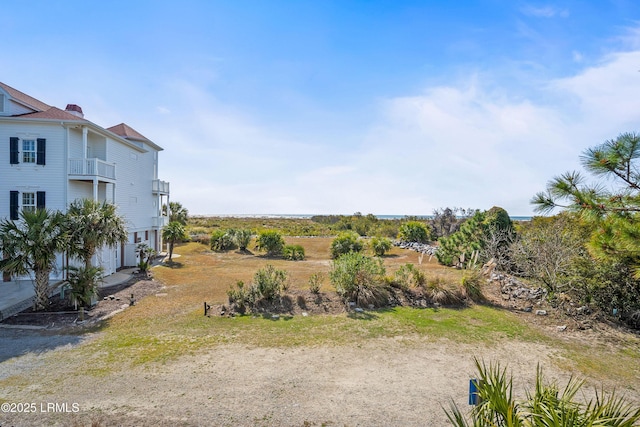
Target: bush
<point x="472" y="284"/>
<point x="293" y="252"/>
<point x="270" y="282"/>
<point x="360" y="279"/>
<point x="547" y="405"/>
<point x="222" y="240"/>
<point x="242" y="238"/>
<point x="408" y="276"/>
<point x="315" y="282"/>
<point x="380" y="245"/>
<point x="242" y="297"/>
<point x="443" y="292"/>
<point x="414" y="231"/>
<point x="271" y="242"/>
<point x="345" y="242"/>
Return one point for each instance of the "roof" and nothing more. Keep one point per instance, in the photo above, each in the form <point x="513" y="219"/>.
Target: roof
<point x="46" y="112"/>
<point x="127" y="132"/>
<point x="54" y="114"/>
<point x="24" y="98"/>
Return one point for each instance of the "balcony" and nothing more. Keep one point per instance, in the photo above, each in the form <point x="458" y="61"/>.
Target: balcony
<point x="160" y="187"/>
<point x="160" y="221"/>
<point x="91" y="168"/>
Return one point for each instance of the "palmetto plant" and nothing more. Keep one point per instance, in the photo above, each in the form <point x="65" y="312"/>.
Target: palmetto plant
<point x="547" y="406"/>
<point x="92" y="225"/>
<point x="84" y="283"/>
<point x="30" y="246"/>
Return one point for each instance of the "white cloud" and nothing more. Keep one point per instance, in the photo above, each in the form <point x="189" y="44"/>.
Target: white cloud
<point x="544" y="11"/>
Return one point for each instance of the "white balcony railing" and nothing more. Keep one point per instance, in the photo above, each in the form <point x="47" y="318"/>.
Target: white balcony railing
<point x="92" y="167"/>
<point x="160" y="221"/>
<point x="161" y="187"/>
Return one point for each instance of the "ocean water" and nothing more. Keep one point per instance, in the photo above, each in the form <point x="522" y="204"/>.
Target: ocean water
<point x="307" y="216"/>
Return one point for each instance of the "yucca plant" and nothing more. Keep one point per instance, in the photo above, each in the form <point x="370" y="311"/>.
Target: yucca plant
<point x="546" y="407"/>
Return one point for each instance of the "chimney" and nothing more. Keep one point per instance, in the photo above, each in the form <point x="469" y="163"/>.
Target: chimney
<point x="75" y="110"/>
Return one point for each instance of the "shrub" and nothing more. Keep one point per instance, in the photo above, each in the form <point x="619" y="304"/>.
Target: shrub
<point x="270" y="282"/>
<point x="472" y="285"/>
<point x="222" y="240"/>
<point x="242" y="238"/>
<point x="443" y="292"/>
<point x="380" y="245"/>
<point x="547" y="405"/>
<point x="360" y="279"/>
<point x="403" y="276"/>
<point x="242" y="297"/>
<point x="414" y="231"/>
<point x="315" y="282"/>
<point x="84" y="283"/>
<point x="345" y="242"/>
<point x="408" y="276"/>
<point x="293" y="252"/>
<point x="271" y="242"/>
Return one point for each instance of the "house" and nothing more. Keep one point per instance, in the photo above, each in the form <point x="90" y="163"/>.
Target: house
<point x="52" y="157"/>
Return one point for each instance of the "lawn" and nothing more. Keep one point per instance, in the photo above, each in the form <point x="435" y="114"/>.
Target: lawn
<point x="162" y="361"/>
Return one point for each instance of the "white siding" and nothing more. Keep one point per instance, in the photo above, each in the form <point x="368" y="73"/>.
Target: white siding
<point x="22" y="177"/>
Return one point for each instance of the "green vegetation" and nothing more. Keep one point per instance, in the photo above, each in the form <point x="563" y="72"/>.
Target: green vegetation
<point x="242" y="237"/>
<point x="414" y="231"/>
<point x="464" y="247"/>
<point x="360" y="279"/>
<point x="293" y="252"/>
<point x="92" y="225"/>
<point x="270" y="282"/>
<point x="31" y="246"/>
<point x="271" y="242"/>
<point x="315" y="282"/>
<point x="172" y="233"/>
<point x="547" y="406"/>
<point x="222" y="240"/>
<point x="380" y="245"/>
<point x="346" y="242"/>
<point x="177" y="213"/>
<point x="84" y="283"/>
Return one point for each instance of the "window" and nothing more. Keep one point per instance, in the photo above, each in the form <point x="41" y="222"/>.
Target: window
<point x="29" y="202"/>
<point x="33" y="151"/>
<point x="28" y="151"/>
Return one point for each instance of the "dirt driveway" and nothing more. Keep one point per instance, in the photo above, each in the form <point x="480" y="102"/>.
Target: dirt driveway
<point x="385" y="382"/>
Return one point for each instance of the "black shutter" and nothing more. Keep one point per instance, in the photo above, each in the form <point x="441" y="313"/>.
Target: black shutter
<point x="41" y="151"/>
<point x="13" y="205"/>
<point x="13" y="148"/>
<point x="40" y="200"/>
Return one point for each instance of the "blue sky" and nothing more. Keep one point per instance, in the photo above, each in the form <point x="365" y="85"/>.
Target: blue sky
<point x="384" y="107"/>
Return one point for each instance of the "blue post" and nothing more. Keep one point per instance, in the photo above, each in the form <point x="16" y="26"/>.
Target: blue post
<point x="473" y="392"/>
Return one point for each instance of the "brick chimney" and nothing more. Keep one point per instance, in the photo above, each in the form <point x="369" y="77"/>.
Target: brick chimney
<point x="75" y="110"/>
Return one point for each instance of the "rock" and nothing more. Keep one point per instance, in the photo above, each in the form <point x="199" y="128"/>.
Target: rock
<point x="359" y="310"/>
<point x="583" y="310"/>
<point x="371" y="306"/>
<point x="528" y="309"/>
<point x="275" y="316"/>
<point x="111" y="297"/>
<point x="541" y="312"/>
<point x="561" y="328"/>
<point x="352" y="304"/>
<point x="305" y="314"/>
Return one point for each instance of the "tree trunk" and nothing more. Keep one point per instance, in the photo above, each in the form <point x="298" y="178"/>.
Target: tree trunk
<point x="41" y="287"/>
<point x="170" y="250"/>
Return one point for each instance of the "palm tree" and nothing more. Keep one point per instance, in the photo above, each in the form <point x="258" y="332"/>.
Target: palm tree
<point x="92" y="225"/>
<point x="30" y="246"/>
<point x="176" y="212"/>
<point x="172" y="233"/>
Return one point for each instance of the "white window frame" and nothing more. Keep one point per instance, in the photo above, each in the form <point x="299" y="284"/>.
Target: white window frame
<point x="29" y="201"/>
<point x="29" y="155"/>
